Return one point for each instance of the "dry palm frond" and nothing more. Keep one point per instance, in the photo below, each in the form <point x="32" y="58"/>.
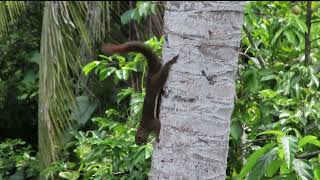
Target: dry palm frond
<point x="9" y="11"/>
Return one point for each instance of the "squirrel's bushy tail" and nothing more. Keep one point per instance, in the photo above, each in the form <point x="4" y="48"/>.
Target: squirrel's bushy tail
<point x="134" y="46"/>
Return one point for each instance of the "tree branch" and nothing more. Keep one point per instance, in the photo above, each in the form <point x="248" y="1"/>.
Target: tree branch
<point x="260" y="59"/>
<point x="315" y="39"/>
<point x="308" y="155"/>
<point x="314" y="22"/>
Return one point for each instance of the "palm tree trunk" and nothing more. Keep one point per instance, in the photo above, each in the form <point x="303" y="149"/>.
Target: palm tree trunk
<point x="199" y="95"/>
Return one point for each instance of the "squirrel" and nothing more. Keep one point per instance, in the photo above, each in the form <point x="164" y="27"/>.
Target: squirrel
<point x="155" y="79"/>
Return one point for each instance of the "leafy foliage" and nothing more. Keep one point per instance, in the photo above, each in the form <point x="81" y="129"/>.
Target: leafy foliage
<point x="17" y="160"/>
<point x="19" y="58"/>
<point x="142" y="9"/>
<point x="107" y="153"/>
<point x="275" y="124"/>
<point x="122" y="158"/>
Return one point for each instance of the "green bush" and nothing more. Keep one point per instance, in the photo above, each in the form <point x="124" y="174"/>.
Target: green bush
<point x="109" y="151"/>
<point x="17" y="160"/>
<point x="275" y="123"/>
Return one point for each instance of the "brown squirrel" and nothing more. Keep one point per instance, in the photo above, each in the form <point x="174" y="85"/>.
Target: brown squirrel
<point x="155" y="79"/>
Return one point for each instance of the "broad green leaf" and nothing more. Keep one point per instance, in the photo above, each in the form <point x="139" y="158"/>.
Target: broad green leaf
<point x="122" y="74"/>
<point x="253" y="158"/>
<point x="268" y="93"/>
<point x="275" y="132"/>
<point x="276" y="36"/>
<point x="273" y="168"/>
<point x="251" y="80"/>
<point x="255" y="61"/>
<point x="148" y="150"/>
<point x="303" y="169"/>
<point x="315" y="80"/>
<point x="35" y="57"/>
<point x="106" y="72"/>
<point x="316" y="173"/>
<point x="105" y="57"/>
<point x="126" y="17"/>
<point x="290" y="36"/>
<point x="309" y="140"/>
<point x="236" y="130"/>
<point x="143" y="8"/>
<point x="153" y="8"/>
<point x="289" y="146"/>
<point x="135" y="15"/>
<point x="262" y="164"/>
<point x="71" y="175"/>
<point x="268" y="77"/>
<point x="284" y="177"/>
<point x="88" y="68"/>
<point x="302" y="26"/>
<point x="124" y="93"/>
<point x="85" y="107"/>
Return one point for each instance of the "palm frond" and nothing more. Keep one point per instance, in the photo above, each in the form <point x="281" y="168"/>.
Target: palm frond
<point x="69" y="32"/>
<point x="9" y="12"/>
<point x="60" y="62"/>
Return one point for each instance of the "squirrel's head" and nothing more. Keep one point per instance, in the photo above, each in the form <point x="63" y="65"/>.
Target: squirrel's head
<point x="141" y="136"/>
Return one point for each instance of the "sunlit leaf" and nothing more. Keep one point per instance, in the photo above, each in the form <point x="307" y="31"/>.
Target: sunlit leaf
<point x="262" y="164"/>
<point x="74" y="175"/>
<point x="289" y="146"/>
<point x="309" y="140"/>
<point x="89" y="67"/>
<point x="303" y="169"/>
<point x="252" y="160"/>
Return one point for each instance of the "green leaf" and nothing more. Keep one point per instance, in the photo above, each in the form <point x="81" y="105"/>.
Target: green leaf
<point x="106" y="72"/>
<point x="251" y="80"/>
<point x="126" y="17"/>
<point x="35" y="57"/>
<point x="268" y="77"/>
<point x="289" y="146"/>
<point x="302" y="26"/>
<point x="122" y="74"/>
<point x="268" y="93"/>
<point x="275" y="132"/>
<point x="143" y="8"/>
<point x="290" y="36"/>
<point x="153" y="8"/>
<point x="88" y="68"/>
<point x="236" y="130"/>
<point x="124" y="93"/>
<point x="253" y="158"/>
<point x="135" y="15"/>
<point x="314" y="79"/>
<point x="262" y="164"/>
<point x="273" y="168"/>
<point x="71" y="175"/>
<point x="276" y="36"/>
<point x="303" y="169"/>
<point x="85" y="107"/>
<point x="309" y="140"/>
<point x="316" y="173"/>
<point x="148" y="151"/>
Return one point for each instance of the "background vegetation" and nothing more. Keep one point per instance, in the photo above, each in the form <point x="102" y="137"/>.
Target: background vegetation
<point x="274" y="127"/>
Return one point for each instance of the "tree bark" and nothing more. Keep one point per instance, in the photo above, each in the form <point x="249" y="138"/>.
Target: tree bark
<point x="198" y="98"/>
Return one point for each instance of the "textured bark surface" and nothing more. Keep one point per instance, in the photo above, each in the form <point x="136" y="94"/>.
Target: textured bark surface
<point x="199" y="94"/>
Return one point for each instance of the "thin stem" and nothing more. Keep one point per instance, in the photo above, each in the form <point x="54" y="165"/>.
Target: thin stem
<point x="307" y="34"/>
<point x="313" y="40"/>
<point x="308" y="155"/>
<point x="260" y="59"/>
